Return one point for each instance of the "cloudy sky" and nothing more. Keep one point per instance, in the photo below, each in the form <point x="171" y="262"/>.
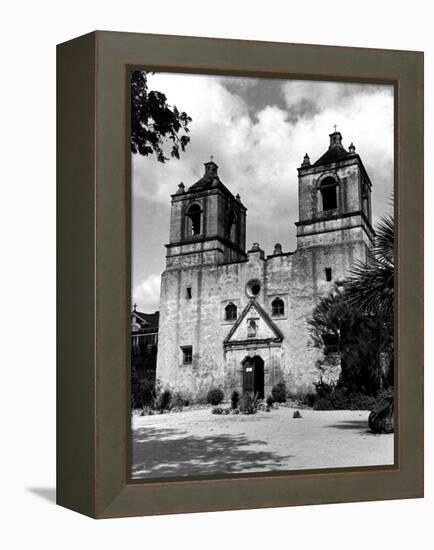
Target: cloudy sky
<point x="258" y="131"/>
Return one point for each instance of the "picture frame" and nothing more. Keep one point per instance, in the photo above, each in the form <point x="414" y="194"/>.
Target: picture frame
<point x="94" y="199"/>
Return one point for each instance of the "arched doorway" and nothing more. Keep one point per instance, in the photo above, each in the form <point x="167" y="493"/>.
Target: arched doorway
<point x="253" y="375"/>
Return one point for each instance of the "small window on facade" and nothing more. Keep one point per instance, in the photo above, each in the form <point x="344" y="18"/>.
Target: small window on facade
<point x="253" y="288"/>
<point x="231" y="312"/>
<point x="187" y="355"/>
<point x="194" y="220"/>
<point x="329" y="194"/>
<point x="188" y="293"/>
<point x="277" y="307"/>
<point x="328" y="273"/>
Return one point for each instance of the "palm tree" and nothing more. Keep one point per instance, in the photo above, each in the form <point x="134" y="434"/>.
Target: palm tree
<point x="370" y="286"/>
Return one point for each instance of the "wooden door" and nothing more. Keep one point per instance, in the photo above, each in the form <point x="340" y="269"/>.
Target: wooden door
<point x="258" y="377"/>
<point x="249" y="375"/>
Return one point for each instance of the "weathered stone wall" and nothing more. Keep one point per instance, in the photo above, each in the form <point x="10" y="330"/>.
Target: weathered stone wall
<point x="349" y="175"/>
<point x="217" y="273"/>
<point x="298" y="279"/>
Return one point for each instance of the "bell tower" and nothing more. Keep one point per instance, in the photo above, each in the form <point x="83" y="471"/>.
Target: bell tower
<point x="207" y="224"/>
<point x="335" y="214"/>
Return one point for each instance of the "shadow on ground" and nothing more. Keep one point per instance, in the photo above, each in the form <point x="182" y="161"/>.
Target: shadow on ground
<point x="360" y="425"/>
<point x="167" y="452"/>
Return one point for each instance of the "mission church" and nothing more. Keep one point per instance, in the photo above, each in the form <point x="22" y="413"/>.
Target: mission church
<point x="236" y="318"/>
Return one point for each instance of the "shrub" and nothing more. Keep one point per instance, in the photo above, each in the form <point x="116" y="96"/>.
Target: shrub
<point x="364" y="341"/>
<point x="249" y="403"/>
<point x="279" y="392"/>
<point x="270" y="400"/>
<point x="339" y="399"/>
<point x="142" y="390"/>
<point x="179" y="401"/>
<point x="323" y="389"/>
<point x="382" y="417"/>
<point x="388" y="393"/>
<point x="235" y="399"/>
<point x="147" y="411"/>
<point x="164" y="400"/>
<point x="215" y="396"/>
<point x="297" y="414"/>
<point x="309" y="399"/>
<point x="303" y="400"/>
<point x="218" y="410"/>
<point x="201" y="398"/>
<point x="148" y="391"/>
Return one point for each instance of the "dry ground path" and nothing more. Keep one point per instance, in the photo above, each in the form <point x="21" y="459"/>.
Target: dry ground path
<point x="196" y="442"/>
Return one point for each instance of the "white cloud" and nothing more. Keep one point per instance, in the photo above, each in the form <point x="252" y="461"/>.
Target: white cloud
<point x="307" y="96"/>
<point x="258" y="153"/>
<point x="147" y="293"/>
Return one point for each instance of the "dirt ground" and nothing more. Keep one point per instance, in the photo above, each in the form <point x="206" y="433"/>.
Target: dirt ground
<point x="196" y="442"/>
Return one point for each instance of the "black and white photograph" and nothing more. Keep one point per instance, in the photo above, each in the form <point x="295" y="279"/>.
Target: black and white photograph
<point x="262" y="276"/>
<point x="218" y="218"/>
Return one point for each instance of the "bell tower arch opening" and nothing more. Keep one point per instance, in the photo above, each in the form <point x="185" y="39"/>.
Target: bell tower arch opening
<point x="335" y="195"/>
<point x="329" y="194"/>
<point x="207" y="223"/>
<point x="194" y="220"/>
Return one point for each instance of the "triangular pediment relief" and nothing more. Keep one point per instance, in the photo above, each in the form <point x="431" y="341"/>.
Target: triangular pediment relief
<point x="254" y="325"/>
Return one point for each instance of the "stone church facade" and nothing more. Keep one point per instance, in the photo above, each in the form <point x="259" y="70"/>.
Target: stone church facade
<point x="236" y="318"/>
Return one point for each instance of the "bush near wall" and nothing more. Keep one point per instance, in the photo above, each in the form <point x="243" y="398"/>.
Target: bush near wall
<point x="235" y="399"/>
<point x="279" y="392"/>
<point x="215" y="396"/>
<point x="164" y="401"/>
<point x="249" y="404"/>
<point x="341" y="400"/>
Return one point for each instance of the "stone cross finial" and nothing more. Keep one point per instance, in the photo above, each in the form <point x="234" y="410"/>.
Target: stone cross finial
<point x="134" y="307"/>
<point x="335" y="138"/>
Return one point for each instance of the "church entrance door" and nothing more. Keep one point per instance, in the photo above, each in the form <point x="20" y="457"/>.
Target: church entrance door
<point x="253" y="375"/>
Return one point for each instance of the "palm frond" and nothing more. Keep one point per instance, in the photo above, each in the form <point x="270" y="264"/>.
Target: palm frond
<point x="370" y="286"/>
<point x="384" y="247"/>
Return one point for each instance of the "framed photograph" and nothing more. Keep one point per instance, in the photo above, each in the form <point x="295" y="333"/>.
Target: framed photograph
<point x="240" y="274"/>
